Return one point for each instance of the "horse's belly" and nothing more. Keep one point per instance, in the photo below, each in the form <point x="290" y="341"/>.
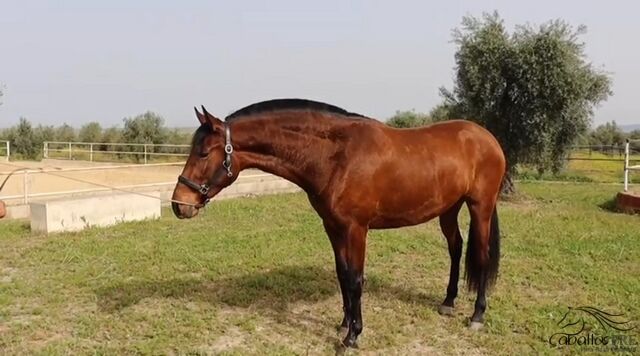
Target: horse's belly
<point x="405" y="217"/>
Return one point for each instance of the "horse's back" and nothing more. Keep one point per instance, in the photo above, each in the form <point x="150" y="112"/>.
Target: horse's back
<point x="413" y="175"/>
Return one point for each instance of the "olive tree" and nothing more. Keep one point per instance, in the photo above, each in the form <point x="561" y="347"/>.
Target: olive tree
<point x="406" y="119"/>
<point x="90" y="132"/>
<point x="144" y="128"/>
<point x="534" y="89"/>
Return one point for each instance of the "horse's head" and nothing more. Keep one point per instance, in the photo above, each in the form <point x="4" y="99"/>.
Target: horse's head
<point x="209" y="167"/>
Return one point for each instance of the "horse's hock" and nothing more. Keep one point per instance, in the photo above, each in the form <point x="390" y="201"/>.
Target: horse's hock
<point x="628" y="202"/>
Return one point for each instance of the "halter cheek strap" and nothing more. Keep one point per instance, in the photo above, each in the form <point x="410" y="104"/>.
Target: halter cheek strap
<point x="204" y="188"/>
<point x="228" y="150"/>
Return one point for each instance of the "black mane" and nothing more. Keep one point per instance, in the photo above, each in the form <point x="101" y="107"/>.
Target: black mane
<point x="289" y="104"/>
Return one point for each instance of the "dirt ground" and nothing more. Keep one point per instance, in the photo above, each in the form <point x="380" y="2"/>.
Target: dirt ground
<point x="57" y="181"/>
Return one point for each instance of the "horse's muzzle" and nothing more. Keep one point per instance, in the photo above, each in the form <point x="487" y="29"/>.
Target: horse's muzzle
<point x="183" y="211"/>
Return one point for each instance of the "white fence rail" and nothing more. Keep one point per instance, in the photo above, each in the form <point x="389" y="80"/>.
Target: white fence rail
<point x="90" y="150"/>
<point x="5" y="150"/>
<point x="627" y="166"/>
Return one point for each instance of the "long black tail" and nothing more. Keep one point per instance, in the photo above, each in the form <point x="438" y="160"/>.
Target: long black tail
<point x="479" y="276"/>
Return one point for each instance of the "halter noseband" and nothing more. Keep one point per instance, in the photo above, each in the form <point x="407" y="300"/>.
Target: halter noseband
<point x="204" y="188"/>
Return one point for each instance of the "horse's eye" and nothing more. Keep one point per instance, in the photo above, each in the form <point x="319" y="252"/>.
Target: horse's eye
<point x="203" y="154"/>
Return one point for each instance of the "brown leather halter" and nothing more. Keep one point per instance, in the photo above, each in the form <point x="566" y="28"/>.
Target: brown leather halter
<point x="204" y="188"/>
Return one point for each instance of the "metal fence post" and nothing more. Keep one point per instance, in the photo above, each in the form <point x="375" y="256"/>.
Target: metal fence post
<point x="91" y="152"/>
<point x="145" y="153"/>
<point x="69" y="150"/>
<point x="45" y="151"/>
<point x="8" y="151"/>
<point x="626" y="165"/>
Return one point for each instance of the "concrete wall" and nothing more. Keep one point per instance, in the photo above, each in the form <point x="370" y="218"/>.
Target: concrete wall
<point x="74" y="214"/>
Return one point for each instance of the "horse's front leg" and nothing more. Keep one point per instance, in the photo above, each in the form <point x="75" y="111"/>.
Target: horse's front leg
<point x="355" y="253"/>
<point x="349" y="245"/>
<point x="338" y="242"/>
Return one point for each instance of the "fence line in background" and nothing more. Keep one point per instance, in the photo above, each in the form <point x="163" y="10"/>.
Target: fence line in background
<point x="148" y="149"/>
<point x="70" y="150"/>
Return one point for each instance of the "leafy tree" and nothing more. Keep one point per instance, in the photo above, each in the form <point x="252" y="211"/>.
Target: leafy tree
<point x="43" y="133"/>
<point x="635" y="134"/>
<point x="110" y="135"/>
<point x="23" y="142"/>
<point x="65" y="133"/>
<point x="533" y="89"/>
<point x="608" y="134"/>
<point x="444" y="111"/>
<point x="91" y="132"/>
<point x="145" y="128"/>
<point x="405" y="119"/>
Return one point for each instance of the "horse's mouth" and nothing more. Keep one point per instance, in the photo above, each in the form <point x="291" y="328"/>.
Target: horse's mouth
<point x="182" y="211"/>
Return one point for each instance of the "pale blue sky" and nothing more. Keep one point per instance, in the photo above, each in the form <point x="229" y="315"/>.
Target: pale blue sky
<point x="80" y="61"/>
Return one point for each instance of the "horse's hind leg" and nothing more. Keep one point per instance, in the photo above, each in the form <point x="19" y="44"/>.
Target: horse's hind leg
<point x="483" y="255"/>
<point x="449" y="227"/>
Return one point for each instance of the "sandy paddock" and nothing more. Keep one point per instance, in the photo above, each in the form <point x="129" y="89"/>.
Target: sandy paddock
<point x="44" y="183"/>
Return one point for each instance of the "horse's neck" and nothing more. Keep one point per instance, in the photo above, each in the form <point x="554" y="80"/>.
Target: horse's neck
<point x="294" y="149"/>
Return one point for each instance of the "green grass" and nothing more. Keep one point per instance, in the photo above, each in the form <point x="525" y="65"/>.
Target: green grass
<point x="256" y="276"/>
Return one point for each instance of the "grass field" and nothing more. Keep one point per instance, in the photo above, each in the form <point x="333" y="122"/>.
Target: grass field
<point x="256" y="276"/>
<point x="585" y="167"/>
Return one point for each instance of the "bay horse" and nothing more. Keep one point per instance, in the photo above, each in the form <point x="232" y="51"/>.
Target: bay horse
<point x="360" y="174"/>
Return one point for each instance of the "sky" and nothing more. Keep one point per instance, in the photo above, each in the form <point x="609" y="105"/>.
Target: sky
<point x="80" y="61"/>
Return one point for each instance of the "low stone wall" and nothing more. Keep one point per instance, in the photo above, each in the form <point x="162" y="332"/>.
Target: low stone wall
<point x="75" y="214"/>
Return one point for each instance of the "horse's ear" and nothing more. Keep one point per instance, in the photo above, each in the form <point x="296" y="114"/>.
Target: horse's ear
<point x="200" y="116"/>
<point x="214" y="121"/>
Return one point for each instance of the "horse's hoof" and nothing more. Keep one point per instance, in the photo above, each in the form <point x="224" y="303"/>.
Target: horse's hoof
<point x="445" y="310"/>
<point x="476" y="326"/>
<point x="349" y="342"/>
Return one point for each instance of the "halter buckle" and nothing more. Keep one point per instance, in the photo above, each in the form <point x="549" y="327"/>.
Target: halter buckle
<point x="204" y="189"/>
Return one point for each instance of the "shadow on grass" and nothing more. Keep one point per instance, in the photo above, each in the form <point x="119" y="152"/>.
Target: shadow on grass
<point x="270" y="290"/>
<point x="610" y="205"/>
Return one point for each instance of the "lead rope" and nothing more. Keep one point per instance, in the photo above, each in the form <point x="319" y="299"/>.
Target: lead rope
<point x="93" y="183"/>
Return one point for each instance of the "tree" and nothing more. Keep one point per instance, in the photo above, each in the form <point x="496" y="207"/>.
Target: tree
<point x="91" y="132"/>
<point x="65" y="133"/>
<point x="43" y="133"/>
<point x="534" y="89"/>
<point x="635" y="134"/>
<point x="445" y="111"/>
<point x="111" y="135"/>
<point x="144" y="128"/>
<point x="405" y="119"/>
<point x="608" y="134"/>
<point x="23" y="140"/>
